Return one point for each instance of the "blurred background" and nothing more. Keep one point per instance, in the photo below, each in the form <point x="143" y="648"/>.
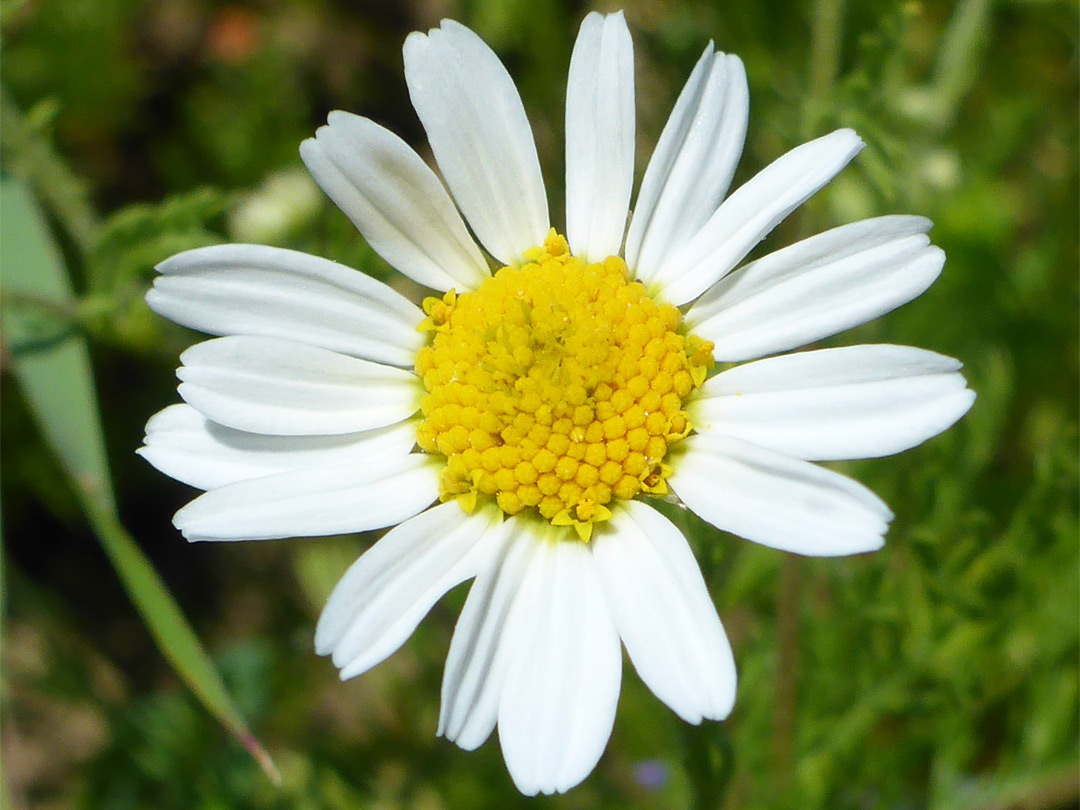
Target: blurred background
<point x="940" y="672"/>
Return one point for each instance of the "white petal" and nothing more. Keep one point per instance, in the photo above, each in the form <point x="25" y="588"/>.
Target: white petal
<point x="852" y="402"/>
<point x="562" y="685"/>
<point x="664" y="613"/>
<point x="266" y="385"/>
<point x="817" y="287"/>
<point x="748" y="215"/>
<point x="693" y="164"/>
<point x="776" y="500"/>
<point x="395" y="201"/>
<point x="477" y="128"/>
<point x="383" y="596"/>
<point x="599" y="137"/>
<point x="476" y="665"/>
<point x="258" y="290"/>
<point x="310" y="503"/>
<point x="184" y="444"/>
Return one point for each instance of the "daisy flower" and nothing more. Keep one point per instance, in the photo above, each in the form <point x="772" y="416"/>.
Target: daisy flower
<point x="518" y="427"/>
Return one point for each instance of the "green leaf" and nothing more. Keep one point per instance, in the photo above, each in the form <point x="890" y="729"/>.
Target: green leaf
<point x="52" y="366"/>
<point x="50" y="361"/>
<point x="29" y="156"/>
<point x="137" y="237"/>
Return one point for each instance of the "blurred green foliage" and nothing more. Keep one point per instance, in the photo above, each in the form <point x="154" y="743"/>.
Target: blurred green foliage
<point x="941" y="672"/>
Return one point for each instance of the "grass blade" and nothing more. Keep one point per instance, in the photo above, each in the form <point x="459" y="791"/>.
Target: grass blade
<point x="52" y="366"/>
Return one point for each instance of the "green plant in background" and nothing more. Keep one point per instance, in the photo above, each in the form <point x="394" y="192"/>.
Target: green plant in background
<point x="49" y="359"/>
<point x="940" y="672"/>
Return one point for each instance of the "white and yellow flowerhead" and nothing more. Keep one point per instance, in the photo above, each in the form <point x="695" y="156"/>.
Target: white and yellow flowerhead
<point x="517" y="428"/>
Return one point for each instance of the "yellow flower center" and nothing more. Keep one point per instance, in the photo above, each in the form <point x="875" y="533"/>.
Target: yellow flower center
<point x="556" y="386"/>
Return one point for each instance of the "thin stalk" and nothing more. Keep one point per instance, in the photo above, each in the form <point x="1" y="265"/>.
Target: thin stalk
<point x="788" y="599"/>
<point x="824" y="63"/>
<point x="826" y="37"/>
<point x="62" y="309"/>
<point x="710" y="764"/>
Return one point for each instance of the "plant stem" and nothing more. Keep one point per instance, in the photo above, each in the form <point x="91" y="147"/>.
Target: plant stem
<point x="710" y="764"/>
<point x="826" y="33"/>
<point x="824" y="63"/>
<point x="960" y="58"/>
<point x="63" y="309"/>
<point x="787" y="667"/>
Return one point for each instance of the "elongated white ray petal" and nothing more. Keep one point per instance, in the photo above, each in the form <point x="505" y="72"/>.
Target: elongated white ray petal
<point x="395" y="201"/>
<point x="749" y="214"/>
<point x="267" y="385"/>
<point x="852" y="402"/>
<point x="695" y="159"/>
<point x="599" y="137"/>
<point x="310" y="503"/>
<point x="187" y="446"/>
<point x="476" y="665"/>
<point x="777" y="500"/>
<point x="664" y="613"/>
<point x="382" y="598"/>
<point x="477" y="128"/>
<point x="664" y="158"/>
<point x="258" y="290"/>
<point x="562" y="684"/>
<point x="817" y="287"/>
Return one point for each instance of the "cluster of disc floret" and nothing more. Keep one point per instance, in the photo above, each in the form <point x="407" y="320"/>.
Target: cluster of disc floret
<point x="556" y="386"/>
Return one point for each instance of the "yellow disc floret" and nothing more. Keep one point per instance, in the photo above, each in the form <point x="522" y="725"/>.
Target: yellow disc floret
<point x="557" y="387"/>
